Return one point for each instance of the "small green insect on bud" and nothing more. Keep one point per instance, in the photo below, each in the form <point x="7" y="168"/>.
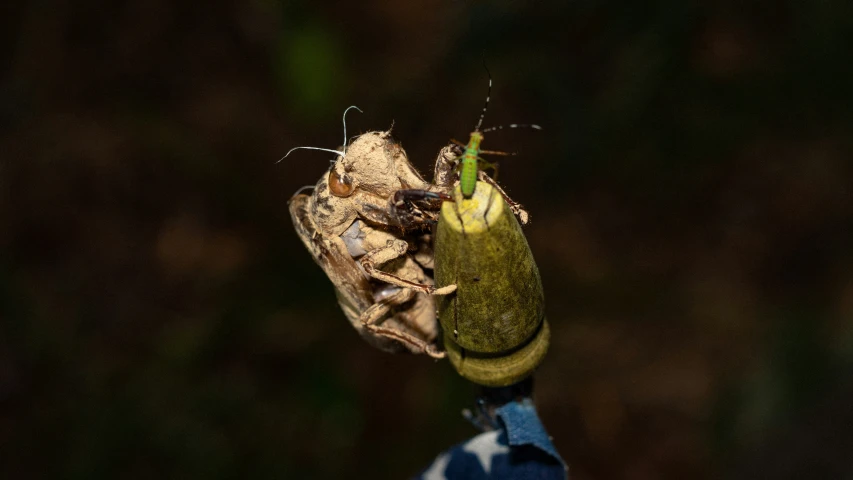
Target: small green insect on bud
<point x="495" y="330"/>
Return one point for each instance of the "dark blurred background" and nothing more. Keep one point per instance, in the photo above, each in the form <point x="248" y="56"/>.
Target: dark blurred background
<point x="691" y="202"/>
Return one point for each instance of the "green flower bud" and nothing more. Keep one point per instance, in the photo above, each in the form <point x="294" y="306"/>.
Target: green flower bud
<point x="494" y="324"/>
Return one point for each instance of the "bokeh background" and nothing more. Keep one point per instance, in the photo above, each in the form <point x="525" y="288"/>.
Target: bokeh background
<point x="691" y="202"/>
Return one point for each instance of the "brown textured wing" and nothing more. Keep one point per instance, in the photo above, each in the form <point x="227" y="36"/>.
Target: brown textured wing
<point x="353" y="288"/>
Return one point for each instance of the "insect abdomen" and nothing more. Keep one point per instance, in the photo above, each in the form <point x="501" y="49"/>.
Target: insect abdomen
<point x="468" y="173"/>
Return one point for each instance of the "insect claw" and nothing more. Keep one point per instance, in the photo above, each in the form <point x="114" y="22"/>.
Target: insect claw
<point x="445" y="290"/>
<point x="434" y="353"/>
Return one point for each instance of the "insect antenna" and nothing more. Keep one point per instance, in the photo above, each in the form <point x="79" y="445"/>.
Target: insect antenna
<point x="488" y="96"/>
<point x="310" y="148"/>
<point x="486" y="107"/>
<point x="512" y="125"/>
<point x="339" y="152"/>
<point x="302" y="189"/>
<point x="345" y="123"/>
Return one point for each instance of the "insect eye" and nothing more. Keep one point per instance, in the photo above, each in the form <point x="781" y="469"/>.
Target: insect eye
<point x="340" y="186"/>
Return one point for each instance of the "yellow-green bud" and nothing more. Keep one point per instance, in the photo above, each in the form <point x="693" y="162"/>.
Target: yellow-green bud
<point x="494" y="324"/>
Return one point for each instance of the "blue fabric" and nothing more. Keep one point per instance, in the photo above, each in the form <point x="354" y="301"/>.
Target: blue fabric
<point x="519" y="449"/>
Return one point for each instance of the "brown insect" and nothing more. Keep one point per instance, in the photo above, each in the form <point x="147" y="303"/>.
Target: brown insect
<point x="366" y="224"/>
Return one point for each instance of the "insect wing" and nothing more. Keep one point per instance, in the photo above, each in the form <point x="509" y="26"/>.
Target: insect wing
<point x="352" y="287"/>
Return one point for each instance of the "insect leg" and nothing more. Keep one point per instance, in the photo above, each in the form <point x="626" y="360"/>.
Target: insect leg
<point x="395" y="249"/>
<point x="514" y="206"/>
<point x="376" y="312"/>
<point x="417" y="195"/>
<point x="498" y="152"/>
<point x="486" y="164"/>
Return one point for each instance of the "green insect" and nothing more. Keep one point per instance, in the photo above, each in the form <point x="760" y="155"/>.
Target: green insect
<point x="471" y="159"/>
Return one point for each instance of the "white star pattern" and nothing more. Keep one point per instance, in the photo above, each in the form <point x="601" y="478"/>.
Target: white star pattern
<point x="436" y="470"/>
<point x="485" y="446"/>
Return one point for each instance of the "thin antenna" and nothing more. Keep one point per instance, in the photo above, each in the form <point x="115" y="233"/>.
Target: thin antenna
<point x="345" y="123"/>
<point x="341" y="153"/>
<point x="302" y="189"/>
<point x="513" y="125"/>
<point x="311" y="148"/>
<point x="488" y="96"/>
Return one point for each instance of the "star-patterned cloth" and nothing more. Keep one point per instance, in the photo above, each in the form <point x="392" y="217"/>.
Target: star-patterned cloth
<point x="519" y="449"/>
